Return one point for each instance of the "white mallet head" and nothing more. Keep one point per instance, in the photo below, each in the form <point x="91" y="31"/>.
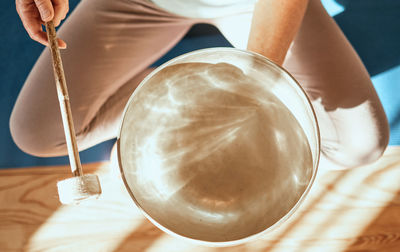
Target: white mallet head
<point x="76" y="189"/>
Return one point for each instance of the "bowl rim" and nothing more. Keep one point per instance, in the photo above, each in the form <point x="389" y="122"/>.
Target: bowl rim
<point x="250" y="237"/>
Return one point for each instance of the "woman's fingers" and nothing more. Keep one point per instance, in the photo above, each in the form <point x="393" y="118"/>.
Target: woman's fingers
<point x="31" y="20"/>
<point x="34" y="13"/>
<point x="37" y="34"/>
<point x="46" y="10"/>
<point x="61" y="43"/>
<point x="61" y="9"/>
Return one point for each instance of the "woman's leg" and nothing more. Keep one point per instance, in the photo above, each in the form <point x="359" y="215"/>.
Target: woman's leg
<point x="110" y="44"/>
<point x="354" y="128"/>
<point x="353" y="124"/>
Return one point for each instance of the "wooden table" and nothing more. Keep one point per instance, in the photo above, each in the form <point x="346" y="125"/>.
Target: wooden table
<point x="354" y="210"/>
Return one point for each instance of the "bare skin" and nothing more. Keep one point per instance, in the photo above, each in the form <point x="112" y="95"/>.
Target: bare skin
<point x="34" y="13"/>
<point x="274" y="26"/>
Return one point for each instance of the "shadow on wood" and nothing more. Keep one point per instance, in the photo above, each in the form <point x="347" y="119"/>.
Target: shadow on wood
<point x="383" y="233"/>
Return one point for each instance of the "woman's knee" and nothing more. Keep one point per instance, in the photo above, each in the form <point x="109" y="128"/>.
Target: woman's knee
<point x="34" y="137"/>
<point x="361" y="138"/>
<point x="351" y="155"/>
<point x="35" y="122"/>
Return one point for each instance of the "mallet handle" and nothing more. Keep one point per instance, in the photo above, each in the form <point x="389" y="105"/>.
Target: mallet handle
<point x="63" y="98"/>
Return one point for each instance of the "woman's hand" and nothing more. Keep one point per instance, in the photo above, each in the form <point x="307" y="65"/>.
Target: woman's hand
<point x="34" y="13"/>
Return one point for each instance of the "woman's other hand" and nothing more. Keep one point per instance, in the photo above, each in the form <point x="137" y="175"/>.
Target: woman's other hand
<point x="34" y="13"/>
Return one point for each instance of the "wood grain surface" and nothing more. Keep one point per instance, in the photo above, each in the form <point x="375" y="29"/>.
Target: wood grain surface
<point x="353" y="210"/>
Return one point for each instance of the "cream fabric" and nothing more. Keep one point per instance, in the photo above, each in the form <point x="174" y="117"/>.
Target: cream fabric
<point x="206" y="8"/>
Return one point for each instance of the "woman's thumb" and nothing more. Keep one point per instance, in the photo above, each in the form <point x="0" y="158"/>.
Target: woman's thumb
<point x="46" y="10"/>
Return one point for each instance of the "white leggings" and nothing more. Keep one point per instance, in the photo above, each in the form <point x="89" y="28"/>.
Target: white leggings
<point x="111" y="45"/>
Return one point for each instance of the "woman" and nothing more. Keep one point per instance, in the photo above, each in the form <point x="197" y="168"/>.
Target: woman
<point x="111" y="45"/>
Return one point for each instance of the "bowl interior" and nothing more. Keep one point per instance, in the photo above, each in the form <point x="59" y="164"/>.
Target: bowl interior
<point x="218" y="145"/>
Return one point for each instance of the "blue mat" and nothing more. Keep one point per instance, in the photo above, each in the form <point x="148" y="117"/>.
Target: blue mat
<point x="372" y="27"/>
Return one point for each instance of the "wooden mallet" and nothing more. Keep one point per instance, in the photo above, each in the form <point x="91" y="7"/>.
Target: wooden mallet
<point x="81" y="186"/>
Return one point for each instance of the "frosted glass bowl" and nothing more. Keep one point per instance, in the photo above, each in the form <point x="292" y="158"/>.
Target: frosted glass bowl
<point x="218" y="146"/>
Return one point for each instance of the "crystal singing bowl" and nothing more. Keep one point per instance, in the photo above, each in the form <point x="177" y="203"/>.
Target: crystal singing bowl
<point x="218" y="146"/>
